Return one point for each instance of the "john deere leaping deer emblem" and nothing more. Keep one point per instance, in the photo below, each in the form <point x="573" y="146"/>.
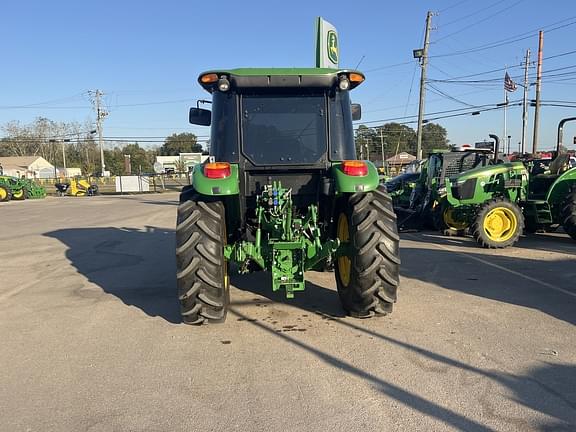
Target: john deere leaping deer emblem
<point x="333" y="46"/>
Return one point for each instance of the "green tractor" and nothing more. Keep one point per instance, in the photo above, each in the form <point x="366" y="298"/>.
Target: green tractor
<point x="16" y="186"/>
<point x="283" y="192"/>
<point x="19" y="189"/>
<point x="497" y="202"/>
<point x="422" y="201"/>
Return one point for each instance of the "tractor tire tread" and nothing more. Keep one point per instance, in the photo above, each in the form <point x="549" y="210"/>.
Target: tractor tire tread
<point x="201" y="266"/>
<point x="478" y="230"/>
<point x="568" y="213"/>
<point x="374" y="279"/>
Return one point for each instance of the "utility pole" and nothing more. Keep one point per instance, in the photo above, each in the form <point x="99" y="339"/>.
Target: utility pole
<point x="64" y="158"/>
<point x="100" y="114"/>
<point x="524" y="103"/>
<point x="505" y="112"/>
<point x="368" y="151"/>
<point x="382" y="147"/>
<point x="423" y="56"/>
<point x="538" y="88"/>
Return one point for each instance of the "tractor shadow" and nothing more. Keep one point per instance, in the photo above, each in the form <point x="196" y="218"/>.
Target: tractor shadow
<point x="137" y="266"/>
<point x="558" y="241"/>
<point x="315" y="298"/>
<point x="548" y="389"/>
<point x="515" y="282"/>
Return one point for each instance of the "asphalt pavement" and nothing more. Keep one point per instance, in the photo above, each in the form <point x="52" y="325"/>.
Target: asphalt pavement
<point x="91" y="340"/>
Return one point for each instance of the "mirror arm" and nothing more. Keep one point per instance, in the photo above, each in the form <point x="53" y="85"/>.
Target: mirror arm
<point x="204" y="101"/>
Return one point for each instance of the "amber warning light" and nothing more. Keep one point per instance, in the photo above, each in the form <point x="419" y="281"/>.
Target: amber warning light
<point x="217" y="170"/>
<point x="355" y="168"/>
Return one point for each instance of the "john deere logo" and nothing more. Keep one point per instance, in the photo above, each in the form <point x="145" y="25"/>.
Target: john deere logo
<point x="333" y="46"/>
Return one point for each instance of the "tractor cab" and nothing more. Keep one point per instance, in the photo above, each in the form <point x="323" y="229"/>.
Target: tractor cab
<point x="291" y="126"/>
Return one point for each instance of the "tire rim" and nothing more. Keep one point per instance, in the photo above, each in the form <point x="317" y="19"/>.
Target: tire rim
<point x="500" y="224"/>
<point x="3" y="194"/>
<point x="451" y="222"/>
<point x="344" y="262"/>
<point x="18" y="194"/>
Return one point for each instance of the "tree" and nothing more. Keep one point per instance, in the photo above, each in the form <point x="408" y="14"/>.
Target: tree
<point x="393" y="138"/>
<point x="180" y="143"/>
<point x="434" y="136"/>
<point x="44" y="137"/>
<point x="140" y="159"/>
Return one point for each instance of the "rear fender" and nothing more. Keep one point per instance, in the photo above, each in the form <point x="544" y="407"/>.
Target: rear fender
<point x="351" y="184"/>
<point x="561" y="187"/>
<point x="215" y="187"/>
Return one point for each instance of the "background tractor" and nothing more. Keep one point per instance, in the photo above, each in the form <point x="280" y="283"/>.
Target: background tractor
<point x="20" y="189"/>
<point x="496" y="202"/>
<point x="422" y="201"/>
<point x="282" y="192"/>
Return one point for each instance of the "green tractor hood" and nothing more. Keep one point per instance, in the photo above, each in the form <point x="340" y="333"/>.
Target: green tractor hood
<point x="489" y="171"/>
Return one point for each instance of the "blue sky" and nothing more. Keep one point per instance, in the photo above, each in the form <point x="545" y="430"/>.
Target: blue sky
<point x="146" y="56"/>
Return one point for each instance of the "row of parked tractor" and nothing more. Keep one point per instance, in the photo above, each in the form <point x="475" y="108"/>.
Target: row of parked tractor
<point x="481" y="193"/>
<point x="19" y="189"/>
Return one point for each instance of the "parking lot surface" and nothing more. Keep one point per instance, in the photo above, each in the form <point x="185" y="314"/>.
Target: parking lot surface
<point x="91" y="338"/>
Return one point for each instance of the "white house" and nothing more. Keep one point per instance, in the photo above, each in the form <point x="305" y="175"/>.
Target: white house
<point x="27" y="166"/>
<point x="188" y="159"/>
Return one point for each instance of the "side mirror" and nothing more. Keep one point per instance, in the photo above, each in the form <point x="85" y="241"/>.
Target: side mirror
<point x="356" y="111"/>
<point x="200" y="116"/>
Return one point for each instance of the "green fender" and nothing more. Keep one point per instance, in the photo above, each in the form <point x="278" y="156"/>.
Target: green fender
<point x="353" y="184"/>
<point x="216" y="187"/>
<point x="561" y="187"/>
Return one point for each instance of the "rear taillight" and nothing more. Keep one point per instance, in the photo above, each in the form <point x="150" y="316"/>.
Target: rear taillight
<point x="217" y="170"/>
<point x="355" y="168"/>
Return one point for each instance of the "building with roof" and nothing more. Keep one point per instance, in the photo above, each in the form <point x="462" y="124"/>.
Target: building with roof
<point x="27" y="166"/>
<point x="399" y="161"/>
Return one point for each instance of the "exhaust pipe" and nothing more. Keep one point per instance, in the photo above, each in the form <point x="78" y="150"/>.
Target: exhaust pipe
<point x="496" y="146"/>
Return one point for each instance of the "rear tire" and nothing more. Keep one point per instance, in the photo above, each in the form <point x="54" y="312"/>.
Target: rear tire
<point x="5" y="194"/>
<point x="569" y="214"/>
<point x="444" y="220"/>
<point x="203" y="286"/>
<point x="367" y="279"/>
<point x="498" y="224"/>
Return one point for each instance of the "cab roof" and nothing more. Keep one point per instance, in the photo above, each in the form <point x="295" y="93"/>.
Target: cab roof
<point x="280" y="77"/>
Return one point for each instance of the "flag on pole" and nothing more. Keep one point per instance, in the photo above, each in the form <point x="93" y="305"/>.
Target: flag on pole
<point x="509" y="85"/>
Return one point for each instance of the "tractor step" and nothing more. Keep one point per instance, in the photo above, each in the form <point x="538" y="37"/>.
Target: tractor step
<point x="539" y="210"/>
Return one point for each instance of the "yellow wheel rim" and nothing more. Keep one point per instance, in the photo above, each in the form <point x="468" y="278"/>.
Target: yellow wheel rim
<point x="344" y="262"/>
<point x="226" y="277"/>
<point x="18" y="194"/>
<point x="449" y="220"/>
<point x="500" y="224"/>
<point x="3" y="194"/>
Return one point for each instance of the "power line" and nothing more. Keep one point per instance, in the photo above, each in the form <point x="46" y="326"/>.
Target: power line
<point x="481" y="20"/>
<point x="510" y="39"/>
<point x="453" y="6"/>
<point x="447" y="96"/>
<point x="477" y="108"/>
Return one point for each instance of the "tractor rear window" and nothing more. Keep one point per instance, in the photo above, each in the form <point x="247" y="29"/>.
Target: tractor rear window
<point x="284" y="129"/>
